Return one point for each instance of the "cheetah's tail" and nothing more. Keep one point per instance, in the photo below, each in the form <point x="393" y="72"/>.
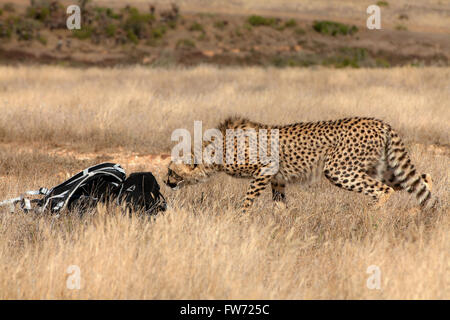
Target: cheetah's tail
<point x="406" y="176"/>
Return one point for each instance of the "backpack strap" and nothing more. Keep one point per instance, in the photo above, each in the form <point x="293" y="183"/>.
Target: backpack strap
<point x="64" y="190"/>
<point x="25" y="203"/>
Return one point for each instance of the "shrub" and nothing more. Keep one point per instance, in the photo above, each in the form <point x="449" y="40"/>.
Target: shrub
<point x="5" y="31"/>
<point x="401" y="27"/>
<point x="220" y="24"/>
<point x="260" y="21"/>
<point x="172" y="24"/>
<point x="110" y="30"/>
<point x="196" y="27"/>
<point x="38" y="13"/>
<point x="380" y="62"/>
<point x="248" y="27"/>
<point x="382" y="4"/>
<point x="290" y="23"/>
<point x="110" y="13"/>
<point x="334" y="28"/>
<point x="24" y="28"/>
<point x="132" y="37"/>
<point x="137" y="23"/>
<point x="84" y="33"/>
<point x="159" y="32"/>
<point x="185" y="43"/>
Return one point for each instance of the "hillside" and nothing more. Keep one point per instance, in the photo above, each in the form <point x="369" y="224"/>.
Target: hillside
<point x="161" y="34"/>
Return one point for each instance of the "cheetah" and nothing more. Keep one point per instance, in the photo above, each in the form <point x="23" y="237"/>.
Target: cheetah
<point x="358" y="154"/>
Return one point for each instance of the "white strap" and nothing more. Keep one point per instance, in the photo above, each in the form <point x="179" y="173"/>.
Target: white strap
<point x="26" y="204"/>
<point x="10" y="201"/>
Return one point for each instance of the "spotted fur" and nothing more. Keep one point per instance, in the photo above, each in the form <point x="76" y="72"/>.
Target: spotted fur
<point x="363" y="155"/>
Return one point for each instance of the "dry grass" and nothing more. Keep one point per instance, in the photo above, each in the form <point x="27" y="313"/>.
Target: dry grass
<point x="201" y="248"/>
<point x="137" y="108"/>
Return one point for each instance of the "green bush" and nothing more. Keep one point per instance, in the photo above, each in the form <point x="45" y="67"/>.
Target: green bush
<point x="185" y="43"/>
<point x="260" y="21"/>
<point x="196" y="27"/>
<point x="108" y="12"/>
<point x="84" y="33"/>
<point x="38" y="13"/>
<point x="172" y="24"/>
<point x="159" y="32"/>
<point x="1" y="12"/>
<point x="220" y="24"/>
<point x="23" y="28"/>
<point x="110" y="30"/>
<point x="111" y="14"/>
<point x="132" y="37"/>
<point x="382" y="63"/>
<point x="382" y="4"/>
<point x="137" y="23"/>
<point x="334" y="28"/>
<point x="5" y="31"/>
<point x="401" y="27"/>
<point x="290" y="23"/>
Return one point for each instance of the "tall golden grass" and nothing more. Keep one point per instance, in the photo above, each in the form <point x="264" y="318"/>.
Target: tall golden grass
<point x="318" y="248"/>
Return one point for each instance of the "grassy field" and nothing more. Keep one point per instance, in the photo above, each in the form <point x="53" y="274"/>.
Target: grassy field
<point x="55" y="121"/>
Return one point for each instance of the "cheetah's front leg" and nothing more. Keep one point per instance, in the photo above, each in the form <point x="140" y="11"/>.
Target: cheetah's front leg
<point x="256" y="186"/>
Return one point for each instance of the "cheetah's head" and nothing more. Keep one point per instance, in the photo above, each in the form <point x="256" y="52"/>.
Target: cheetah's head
<point x="181" y="174"/>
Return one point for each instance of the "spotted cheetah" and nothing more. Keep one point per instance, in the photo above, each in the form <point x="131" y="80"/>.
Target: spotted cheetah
<point x="364" y="155"/>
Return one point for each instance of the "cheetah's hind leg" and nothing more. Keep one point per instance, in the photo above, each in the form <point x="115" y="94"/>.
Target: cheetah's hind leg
<point x="427" y="180"/>
<point x="279" y="193"/>
<point x="359" y="181"/>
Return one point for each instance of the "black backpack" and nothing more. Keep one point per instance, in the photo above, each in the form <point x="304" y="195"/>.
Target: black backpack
<point x="100" y="183"/>
<point x="140" y="191"/>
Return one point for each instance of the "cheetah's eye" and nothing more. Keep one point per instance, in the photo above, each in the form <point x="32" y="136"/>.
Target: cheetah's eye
<point x="172" y="173"/>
